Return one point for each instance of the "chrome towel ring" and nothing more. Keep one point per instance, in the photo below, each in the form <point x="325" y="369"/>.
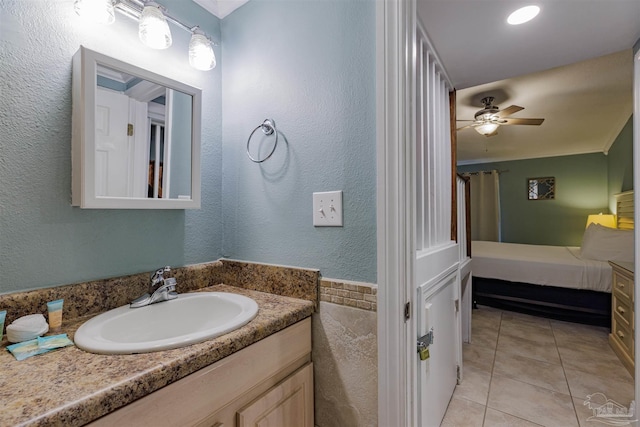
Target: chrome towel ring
<point x="268" y="128"/>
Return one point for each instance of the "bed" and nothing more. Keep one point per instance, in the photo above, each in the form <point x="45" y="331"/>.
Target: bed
<point x="566" y="283"/>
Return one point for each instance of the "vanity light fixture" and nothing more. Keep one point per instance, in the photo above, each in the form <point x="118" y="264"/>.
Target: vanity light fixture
<point x="153" y="28"/>
<point x="99" y="11"/>
<point x="201" y="56"/>
<point x="524" y="14"/>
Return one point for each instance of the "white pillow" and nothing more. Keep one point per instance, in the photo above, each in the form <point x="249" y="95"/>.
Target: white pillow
<point x="607" y="244"/>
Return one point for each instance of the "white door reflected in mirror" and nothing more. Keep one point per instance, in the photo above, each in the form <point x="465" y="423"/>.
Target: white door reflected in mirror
<point x="139" y="125"/>
<point x="111" y="144"/>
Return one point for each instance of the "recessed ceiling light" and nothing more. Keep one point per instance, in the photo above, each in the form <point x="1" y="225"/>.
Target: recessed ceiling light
<point x="522" y="15"/>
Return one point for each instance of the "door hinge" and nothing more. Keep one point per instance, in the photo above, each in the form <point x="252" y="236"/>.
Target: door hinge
<point x="456" y="304"/>
<point x="458" y="374"/>
<point x="129" y="129"/>
<point x="407" y="311"/>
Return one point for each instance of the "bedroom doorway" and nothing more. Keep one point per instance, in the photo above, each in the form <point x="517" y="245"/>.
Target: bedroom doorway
<point x="636" y="181"/>
<point x="395" y="18"/>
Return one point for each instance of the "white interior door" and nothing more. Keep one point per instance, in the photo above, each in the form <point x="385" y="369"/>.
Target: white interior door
<point x="436" y="280"/>
<point x="112" y="143"/>
<point x="417" y="260"/>
<point x="437" y="318"/>
<point x="464" y="242"/>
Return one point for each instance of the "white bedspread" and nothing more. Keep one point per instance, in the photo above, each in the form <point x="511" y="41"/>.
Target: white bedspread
<point x="540" y="265"/>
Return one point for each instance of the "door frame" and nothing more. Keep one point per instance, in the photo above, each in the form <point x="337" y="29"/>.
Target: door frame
<point x="636" y="201"/>
<point x="394" y="89"/>
<point x="395" y="26"/>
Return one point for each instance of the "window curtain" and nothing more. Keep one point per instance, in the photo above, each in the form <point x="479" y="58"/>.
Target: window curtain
<point x="485" y="206"/>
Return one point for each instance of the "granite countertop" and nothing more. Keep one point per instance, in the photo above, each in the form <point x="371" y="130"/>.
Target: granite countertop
<point x="71" y="387"/>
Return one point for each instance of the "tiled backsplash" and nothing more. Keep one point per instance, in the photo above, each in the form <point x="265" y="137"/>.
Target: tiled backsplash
<point x="345" y="361"/>
<point x="274" y="279"/>
<point x="352" y="294"/>
<point x="94" y="297"/>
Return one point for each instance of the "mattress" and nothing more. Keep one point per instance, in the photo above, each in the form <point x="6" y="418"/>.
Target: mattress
<point x="559" y="266"/>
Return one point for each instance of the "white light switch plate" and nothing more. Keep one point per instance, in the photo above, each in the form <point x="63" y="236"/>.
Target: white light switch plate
<point x="327" y="209"/>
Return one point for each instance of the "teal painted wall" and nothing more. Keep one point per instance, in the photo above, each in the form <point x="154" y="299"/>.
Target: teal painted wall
<point x="310" y="66"/>
<point x="181" y="146"/>
<point x="620" y="163"/>
<point x="43" y="240"/>
<point x="581" y="189"/>
<point x="585" y="184"/>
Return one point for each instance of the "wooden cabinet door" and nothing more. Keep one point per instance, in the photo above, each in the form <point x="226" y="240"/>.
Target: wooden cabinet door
<point x="288" y="404"/>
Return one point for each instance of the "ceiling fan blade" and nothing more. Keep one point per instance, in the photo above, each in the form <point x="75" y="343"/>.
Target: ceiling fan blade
<point x="535" y="122"/>
<point x="464" y="127"/>
<point x="508" y="111"/>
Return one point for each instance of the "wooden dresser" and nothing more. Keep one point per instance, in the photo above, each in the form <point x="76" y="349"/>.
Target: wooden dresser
<point x="622" y="316"/>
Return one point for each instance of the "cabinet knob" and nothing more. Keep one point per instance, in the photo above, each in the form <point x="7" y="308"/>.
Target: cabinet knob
<point x="620" y="310"/>
<point x="621" y="335"/>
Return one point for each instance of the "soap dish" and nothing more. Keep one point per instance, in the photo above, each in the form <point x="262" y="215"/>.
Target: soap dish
<point x="27" y="328"/>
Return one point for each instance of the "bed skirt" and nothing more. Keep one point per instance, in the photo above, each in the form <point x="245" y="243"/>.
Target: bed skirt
<point x="571" y="305"/>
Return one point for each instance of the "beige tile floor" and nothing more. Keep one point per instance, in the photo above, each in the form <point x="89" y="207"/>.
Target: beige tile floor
<point x="522" y="370"/>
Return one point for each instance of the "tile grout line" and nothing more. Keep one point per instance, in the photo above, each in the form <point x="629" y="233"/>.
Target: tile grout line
<point x="557" y="334"/>
<point x="555" y="343"/>
<point x="524" y="382"/>
<point x="493" y="364"/>
<point x="564" y="372"/>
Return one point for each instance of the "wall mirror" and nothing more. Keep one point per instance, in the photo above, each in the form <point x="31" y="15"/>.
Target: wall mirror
<point x="136" y="137"/>
<point x="542" y="188"/>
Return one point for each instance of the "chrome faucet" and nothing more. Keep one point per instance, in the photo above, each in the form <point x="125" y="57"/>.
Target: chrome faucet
<point x="160" y="289"/>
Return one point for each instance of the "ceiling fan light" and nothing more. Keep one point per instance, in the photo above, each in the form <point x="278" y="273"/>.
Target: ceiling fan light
<point x="486" y="128"/>
<point x="522" y="15"/>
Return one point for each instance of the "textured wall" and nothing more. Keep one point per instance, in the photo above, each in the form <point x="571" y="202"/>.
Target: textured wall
<point x="345" y="364"/>
<point x="585" y="184"/>
<point x="309" y="65"/>
<point x="620" y="163"/>
<point x="581" y="189"/>
<point x="43" y="240"/>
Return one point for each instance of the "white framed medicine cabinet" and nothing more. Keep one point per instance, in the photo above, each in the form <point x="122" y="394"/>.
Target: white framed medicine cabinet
<point x="135" y="137"/>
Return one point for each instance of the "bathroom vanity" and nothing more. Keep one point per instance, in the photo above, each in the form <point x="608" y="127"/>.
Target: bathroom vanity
<point x="270" y="381"/>
<point x="261" y="371"/>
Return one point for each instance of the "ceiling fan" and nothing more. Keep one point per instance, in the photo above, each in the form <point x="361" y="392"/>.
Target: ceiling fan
<point x="490" y="118"/>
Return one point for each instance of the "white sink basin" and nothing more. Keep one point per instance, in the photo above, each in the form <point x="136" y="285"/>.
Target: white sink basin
<point x="188" y="319"/>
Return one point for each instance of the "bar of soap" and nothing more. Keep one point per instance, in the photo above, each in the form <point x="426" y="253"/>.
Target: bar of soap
<point x="27" y="328"/>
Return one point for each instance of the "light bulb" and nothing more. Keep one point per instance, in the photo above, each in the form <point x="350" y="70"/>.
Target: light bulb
<point x="100" y="11"/>
<point x="201" y="56"/>
<point x="522" y="15"/>
<point x="153" y="29"/>
<point x="486" y="128"/>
